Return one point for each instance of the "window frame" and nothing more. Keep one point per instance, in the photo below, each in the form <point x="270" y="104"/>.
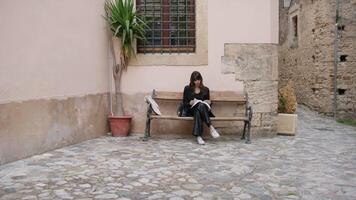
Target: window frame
<point x="199" y="58"/>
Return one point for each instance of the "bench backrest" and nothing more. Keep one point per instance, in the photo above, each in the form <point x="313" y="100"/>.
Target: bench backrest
<point x="217" y="96"/>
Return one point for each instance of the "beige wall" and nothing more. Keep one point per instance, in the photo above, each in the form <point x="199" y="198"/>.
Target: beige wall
<point x="58" y="42"/>
<point x="229" y="21"/>
<point x="52" y="48"/>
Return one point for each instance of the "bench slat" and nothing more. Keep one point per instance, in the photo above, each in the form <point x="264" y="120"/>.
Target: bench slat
<point x="168" y="95"/>
<point x="191" y="118"/>
<point x="224" y="96"/>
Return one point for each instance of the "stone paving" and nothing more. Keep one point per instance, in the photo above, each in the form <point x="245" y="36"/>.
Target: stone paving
<point x="318" y="163"/>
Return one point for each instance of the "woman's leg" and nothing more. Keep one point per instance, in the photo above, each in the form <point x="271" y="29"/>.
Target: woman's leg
<point x="204" y="113"/>
<point x="198" y="123"/>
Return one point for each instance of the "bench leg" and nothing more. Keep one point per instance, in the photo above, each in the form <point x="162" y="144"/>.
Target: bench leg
<point x="148" y="123"/>
<point x="244" y="131"/>
<point x="248" y="141"/>
<point x="147" y="130"/>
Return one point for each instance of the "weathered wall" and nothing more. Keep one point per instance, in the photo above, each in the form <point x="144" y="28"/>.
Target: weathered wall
<point x="309" y="61"/>
<point x="53" y="75"/>
<point x="346" y="77"/>
<point x="35" y="126"/>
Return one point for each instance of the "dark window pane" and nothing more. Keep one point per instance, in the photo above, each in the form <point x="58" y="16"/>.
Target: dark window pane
<point x="171" y="26"/>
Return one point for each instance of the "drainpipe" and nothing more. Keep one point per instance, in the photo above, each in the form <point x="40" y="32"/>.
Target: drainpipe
<point x="336" y="57"/>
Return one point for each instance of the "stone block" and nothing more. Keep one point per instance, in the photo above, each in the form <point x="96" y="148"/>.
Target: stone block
<point x="263" y="131"/>
<point x="269" y="119"/>
<point x="228" y="65"/>
<point x="263" y="95"/>
<point x="252" y="61"/>
<point x="256" y="119"/>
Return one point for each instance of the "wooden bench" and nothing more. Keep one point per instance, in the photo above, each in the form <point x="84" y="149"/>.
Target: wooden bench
<point x="215" y="96"/>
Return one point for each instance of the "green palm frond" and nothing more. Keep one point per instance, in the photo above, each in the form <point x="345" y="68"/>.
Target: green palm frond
<point x="125" y="23"/>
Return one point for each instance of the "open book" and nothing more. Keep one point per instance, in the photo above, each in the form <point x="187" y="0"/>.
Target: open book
<point x="196" y="101"/>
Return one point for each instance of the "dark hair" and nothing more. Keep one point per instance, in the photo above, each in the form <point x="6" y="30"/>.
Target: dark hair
<point x="196" y="76"/>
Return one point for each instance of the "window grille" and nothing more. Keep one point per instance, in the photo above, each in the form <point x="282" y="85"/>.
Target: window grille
<point x="171" y="26"/>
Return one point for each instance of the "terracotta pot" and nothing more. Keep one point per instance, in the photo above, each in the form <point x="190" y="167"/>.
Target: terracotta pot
<point x="120" y="125"/>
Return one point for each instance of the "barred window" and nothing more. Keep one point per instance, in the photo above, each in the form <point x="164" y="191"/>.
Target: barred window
<point x="171" y="26"/>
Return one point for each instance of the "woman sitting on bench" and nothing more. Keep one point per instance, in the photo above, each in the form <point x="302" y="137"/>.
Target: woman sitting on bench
<point x="200" y="110"/>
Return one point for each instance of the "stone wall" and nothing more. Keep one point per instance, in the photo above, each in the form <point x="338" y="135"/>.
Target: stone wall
<point x="346" y="77"/>
<point x="256" y="65"/>
<point x="308" y="59"/>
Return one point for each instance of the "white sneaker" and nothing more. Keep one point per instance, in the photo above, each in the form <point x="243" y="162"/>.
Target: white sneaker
<point x="213" y="132"/>
<point x="200" y="140"/>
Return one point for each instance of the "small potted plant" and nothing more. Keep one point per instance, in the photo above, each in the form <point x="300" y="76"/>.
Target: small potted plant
<point x="125" y="26"/>
<point x="287" y="119"/>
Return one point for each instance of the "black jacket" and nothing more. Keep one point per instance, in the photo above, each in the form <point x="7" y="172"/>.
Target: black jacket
<point x="189" y="95"/>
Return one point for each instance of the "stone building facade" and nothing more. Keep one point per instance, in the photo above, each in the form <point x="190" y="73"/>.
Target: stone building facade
<point x="306" y="54"/>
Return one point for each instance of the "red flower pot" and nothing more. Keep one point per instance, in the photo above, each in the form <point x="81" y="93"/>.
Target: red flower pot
<point x="120" y="125"/>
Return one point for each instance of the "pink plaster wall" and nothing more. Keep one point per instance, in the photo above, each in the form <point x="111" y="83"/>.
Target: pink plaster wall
<point x="55" y="49"/>
<point x="230" y="21"/>
<point x="52" y="49"/>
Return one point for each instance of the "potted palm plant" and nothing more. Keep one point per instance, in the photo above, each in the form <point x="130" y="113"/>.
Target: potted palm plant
<point x="287" y="119"/>
<point x="125" y="26"/>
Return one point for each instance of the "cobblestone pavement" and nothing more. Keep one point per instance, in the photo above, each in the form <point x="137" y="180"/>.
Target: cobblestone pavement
<point x="318" y="163"/>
